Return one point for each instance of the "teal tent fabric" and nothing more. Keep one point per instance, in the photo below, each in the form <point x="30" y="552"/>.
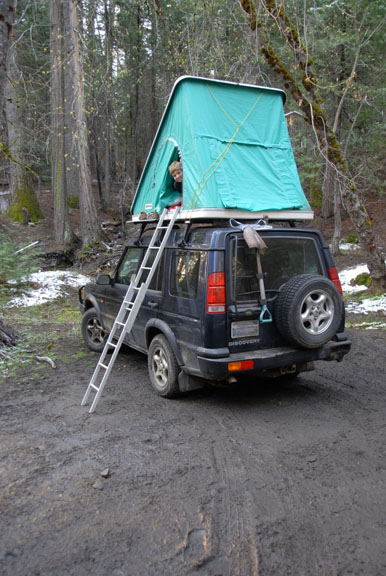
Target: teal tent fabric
<point x="235" y="149"/>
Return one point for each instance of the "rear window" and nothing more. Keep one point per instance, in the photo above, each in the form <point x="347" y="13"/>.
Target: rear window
<point x="283" y="258"/>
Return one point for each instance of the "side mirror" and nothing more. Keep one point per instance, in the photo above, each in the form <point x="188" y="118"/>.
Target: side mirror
<point x="103" y="280"/>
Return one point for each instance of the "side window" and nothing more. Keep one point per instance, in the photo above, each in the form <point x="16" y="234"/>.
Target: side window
<point x="184" y="275"/>
<point x="130" y="264"/>
<point x="156" y="281"/>
<point x="128" y="267"/>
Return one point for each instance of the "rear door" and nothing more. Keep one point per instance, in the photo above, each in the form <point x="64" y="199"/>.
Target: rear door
<point x="183" y="300"/>
<point x="243" y="295"/>
<point x="288" y="254"/>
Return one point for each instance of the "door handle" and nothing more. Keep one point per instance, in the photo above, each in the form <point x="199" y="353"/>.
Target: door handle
<point x="152" y="304"/>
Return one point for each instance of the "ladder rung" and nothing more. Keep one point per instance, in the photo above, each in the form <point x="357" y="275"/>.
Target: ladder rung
<point x="103" y="365"/>
<point x="145" y="267"/>
<point x="112" y="345"/>
<point x="120" y="323"/>
<point x="95" y="387"/>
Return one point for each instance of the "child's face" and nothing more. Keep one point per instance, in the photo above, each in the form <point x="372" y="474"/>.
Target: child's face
<point x="177" y="175"/>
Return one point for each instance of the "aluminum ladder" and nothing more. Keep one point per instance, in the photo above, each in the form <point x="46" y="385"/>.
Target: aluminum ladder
<point x="130" y="307"/>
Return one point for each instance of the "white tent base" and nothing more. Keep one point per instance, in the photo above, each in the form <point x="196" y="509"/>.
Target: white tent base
<point x="210" y="214"/>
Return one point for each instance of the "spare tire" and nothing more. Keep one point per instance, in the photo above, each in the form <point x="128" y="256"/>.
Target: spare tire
<point x="308" y="310"/>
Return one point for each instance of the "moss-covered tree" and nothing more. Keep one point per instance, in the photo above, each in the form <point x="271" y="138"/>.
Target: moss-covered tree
<point x="306" y="94"/>
<point x="24" y="205"/>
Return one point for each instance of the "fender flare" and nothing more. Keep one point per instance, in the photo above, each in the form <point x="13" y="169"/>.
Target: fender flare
<point x="156" y="326"/>
<point x="92" y="302"/>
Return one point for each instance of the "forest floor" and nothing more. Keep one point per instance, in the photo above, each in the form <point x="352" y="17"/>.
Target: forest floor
<point x="279" y="478"/>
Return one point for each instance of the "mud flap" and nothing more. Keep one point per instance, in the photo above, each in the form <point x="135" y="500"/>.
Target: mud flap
<point x="186" y="382"/>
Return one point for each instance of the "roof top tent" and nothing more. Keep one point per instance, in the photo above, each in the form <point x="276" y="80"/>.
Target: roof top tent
<point x="233" y="142"/>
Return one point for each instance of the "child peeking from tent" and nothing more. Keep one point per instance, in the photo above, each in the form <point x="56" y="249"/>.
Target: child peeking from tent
<point x="175" y="170"/>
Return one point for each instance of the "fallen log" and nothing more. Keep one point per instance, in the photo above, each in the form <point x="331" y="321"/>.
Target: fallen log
<point x="8" y="336"/>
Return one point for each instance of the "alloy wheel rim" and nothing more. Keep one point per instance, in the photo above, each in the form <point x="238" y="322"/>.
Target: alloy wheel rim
<point x="317" y="312"/>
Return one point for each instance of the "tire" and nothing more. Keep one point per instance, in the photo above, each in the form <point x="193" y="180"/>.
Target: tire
<point x="163" y="367"/>
<point x="92" y="331"/>
<point x="308" y="311"/>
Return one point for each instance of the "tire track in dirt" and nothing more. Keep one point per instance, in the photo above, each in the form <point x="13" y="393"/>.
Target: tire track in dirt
<point x="227" y="528"/>
<point x="287" y="482"/>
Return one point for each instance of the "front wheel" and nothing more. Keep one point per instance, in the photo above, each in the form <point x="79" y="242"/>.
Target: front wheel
<point x="92" y="331"/>
<point x="163" y="367"/>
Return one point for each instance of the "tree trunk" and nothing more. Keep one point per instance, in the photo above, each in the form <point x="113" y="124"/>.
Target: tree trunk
<point x="306" y="95"/>
<point x="6" y="21"/>
<point x="70" y="159"/>
<point x="62" y="227"/>
<point x="328" y="192"/>
<point x="7" y="335"/>
<point x="108" y="16"/>
<point x="24" y="205"/>
<point x="134" y="102"/>
<point x="337" y="221"/>
<point x="88" y="213"/>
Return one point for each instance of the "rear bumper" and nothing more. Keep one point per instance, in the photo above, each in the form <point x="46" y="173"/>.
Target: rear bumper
<point x="270" y="359"/>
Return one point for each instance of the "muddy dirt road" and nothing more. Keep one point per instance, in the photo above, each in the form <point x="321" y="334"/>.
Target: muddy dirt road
<point x="276" y="479"/>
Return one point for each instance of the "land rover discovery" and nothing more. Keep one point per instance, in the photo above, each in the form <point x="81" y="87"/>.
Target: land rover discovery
<point x="210" y="315"/>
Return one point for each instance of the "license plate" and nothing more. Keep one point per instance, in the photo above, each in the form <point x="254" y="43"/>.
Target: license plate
<point x="245" y="329"/>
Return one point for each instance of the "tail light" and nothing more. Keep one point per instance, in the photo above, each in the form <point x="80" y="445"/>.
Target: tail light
<point x="334" y="277"/>
<point x="215" y="295"/>
<point x="243" y="365"/>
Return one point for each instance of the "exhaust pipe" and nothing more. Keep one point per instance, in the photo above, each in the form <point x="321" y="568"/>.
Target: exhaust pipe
<point x="288" y="370"/>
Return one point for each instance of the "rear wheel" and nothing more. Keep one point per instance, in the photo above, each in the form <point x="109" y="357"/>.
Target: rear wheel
<point x="92" y="331"/>
<point x="308" y="310"/>
<point x="163" y="367"/>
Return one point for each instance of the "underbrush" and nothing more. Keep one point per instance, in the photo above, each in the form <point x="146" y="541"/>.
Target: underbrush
<point x="49" y="334"/>
<point x="16" y="262"/>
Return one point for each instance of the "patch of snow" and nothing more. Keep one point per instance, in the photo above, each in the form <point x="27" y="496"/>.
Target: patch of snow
<point x="377" y="304"/>
<point x="349" y="247"/>
<point x="349" y="274"/>
<point x="371" y="326"/>
<point x="368" y="305"/>
<point x="51" y="285"/>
